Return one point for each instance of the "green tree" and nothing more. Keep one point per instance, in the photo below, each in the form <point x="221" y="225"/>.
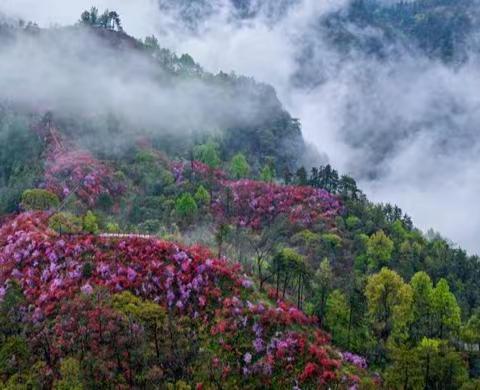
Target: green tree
<point x="221" y="235"/>
<point x="446" y="312"/>
<point x="389" y="301"/>
<point x="151" y="43"/>
<point x="208" y="154"/>
<point x="70" y="375"/>
<point x="284" y="264"/>
<point x="422" y="306"/>
<point x="301" y="176"/>
<point x="405" y="371"/>
<point x="239" y="167"/>
<point x="186" y="207"/>
<point x="379" y="250"/>
<point x="14" y="355"/>
<point x="38" y="199"/>
<point x="471" y="330"/>
<point x="337" y="315"/>
<point x="151" y="314"/>
<point x="11" y="311"/>
<point x="267" y="173"/>
<point x="65" y="223"/>
<point x="90" y="223"/>
<point x="202" y="197"/>
<point x="322" y="284"/>
<point x="443" y="368"/>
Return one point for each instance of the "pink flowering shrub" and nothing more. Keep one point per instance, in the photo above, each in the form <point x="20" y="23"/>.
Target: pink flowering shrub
<point x="244" y="341"/>
<point x="254" y="204"/>
<point x="80" y="172"/>
<point x="356" y="360"/>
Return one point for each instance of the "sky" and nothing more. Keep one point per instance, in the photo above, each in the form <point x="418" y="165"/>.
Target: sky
<point x="406" y="129"/>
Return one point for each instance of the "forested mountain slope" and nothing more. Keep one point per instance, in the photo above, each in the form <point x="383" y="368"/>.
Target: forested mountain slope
<point x="168" y="235"/>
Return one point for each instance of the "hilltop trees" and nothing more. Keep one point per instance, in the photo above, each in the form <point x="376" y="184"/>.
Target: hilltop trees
<point x="108" y="20"/>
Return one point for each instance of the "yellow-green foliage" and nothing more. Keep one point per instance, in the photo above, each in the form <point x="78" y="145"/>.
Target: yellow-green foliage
<point x="70" y="376"/>
<point x="90" y="223"/>
<point x="38" y="199"/>
<point x="65" y="222"/>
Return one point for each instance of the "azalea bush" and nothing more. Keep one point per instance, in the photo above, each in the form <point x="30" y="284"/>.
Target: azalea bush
<point x="255" y="204"/>
<point x="134" y="311"/>
<point x="78" y="172"/>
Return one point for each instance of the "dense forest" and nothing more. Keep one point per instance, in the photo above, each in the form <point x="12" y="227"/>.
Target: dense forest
<point x="143" y="246"/>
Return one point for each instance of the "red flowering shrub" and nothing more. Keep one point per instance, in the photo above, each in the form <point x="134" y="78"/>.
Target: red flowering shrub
<point x="254" y="204"/>
<point x="254" y="344"/>
<point x="196" y="169"/>
<point x="79" y="171"/>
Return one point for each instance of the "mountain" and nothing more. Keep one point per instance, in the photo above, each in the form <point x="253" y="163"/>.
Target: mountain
<point x="171" y="234"/>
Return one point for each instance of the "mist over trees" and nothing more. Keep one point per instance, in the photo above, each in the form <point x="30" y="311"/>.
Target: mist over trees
<point x="174" y="231"/>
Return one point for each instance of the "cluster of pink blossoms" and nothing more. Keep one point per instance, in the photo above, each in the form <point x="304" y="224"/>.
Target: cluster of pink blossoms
<point x="80" y="172"/>
<point x="254" y="204"/>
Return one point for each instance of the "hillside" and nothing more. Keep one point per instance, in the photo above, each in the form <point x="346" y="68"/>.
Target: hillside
<point x="172" y="234"/>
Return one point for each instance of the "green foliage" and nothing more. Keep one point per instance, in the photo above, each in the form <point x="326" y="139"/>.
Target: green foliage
<point x="337" y="317"/>
<point x="379" y="250"/>
<point x="150" y="226"/>
<point x="422" y="306"/>
<point x="430" y="365"/>
<point x="471" y="330"/>
<point x="151" y="43"/>
<point x="267" y="173"/>
<point x="239" y="167"/>
<point x="132" y="306"/>
<point x="186" y="207"/>
<point x="322" y="283"/>
<point x="208" y="154"/>
<point x="389" y="301"/>
<point x="108" y="20"/>
<point x="14" y="354"/>
<point x="20" y="146"/>
<point x="332" y="241"/>
<point x="446" y="312"/>
<point x="70" y="376"/>
<point x="38" y="199"/>
<point x="11" y="311"/>
<point x="90" y="223"/>
<point x="202" y="197"/>
<point x="352" y="222"/>
<point x="112" y="227"/>
<point x="65" y="223"/>
<point x="150" y="174"/>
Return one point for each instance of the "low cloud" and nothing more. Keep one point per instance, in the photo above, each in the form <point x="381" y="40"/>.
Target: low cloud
<point x="407" y="128"/>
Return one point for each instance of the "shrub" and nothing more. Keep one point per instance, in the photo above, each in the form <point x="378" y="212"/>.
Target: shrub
<point x="38" y="199"/>
<point x="65" y="223"/>
<point x="90" y="223"/>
